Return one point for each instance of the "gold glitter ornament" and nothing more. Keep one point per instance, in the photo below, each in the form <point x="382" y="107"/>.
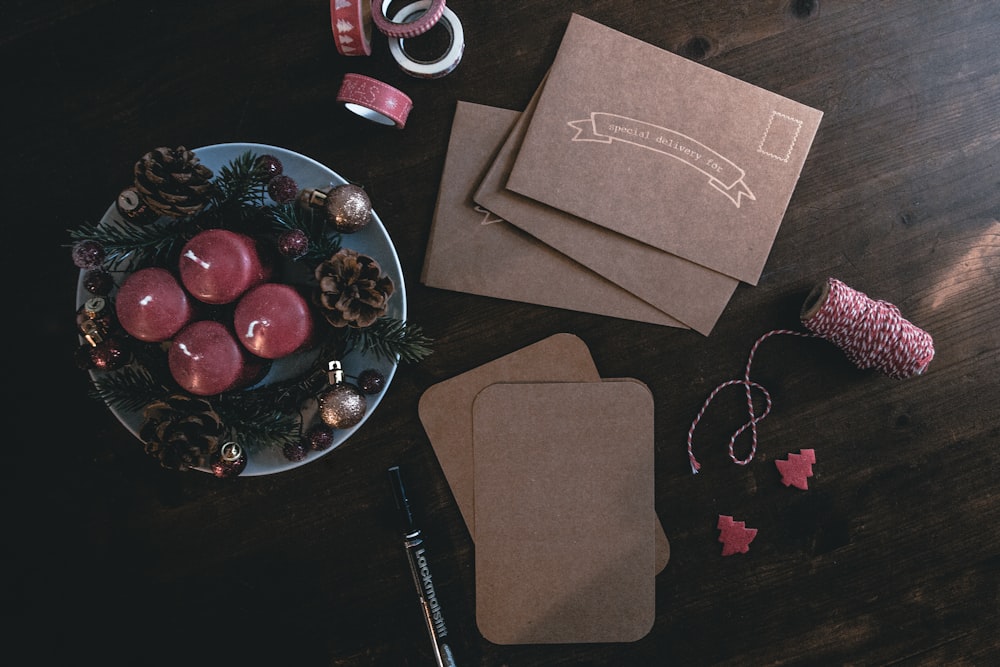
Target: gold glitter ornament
<point x="229" y="461"/>
<point x="346" y="207"/>
<point x="343" y="405"/>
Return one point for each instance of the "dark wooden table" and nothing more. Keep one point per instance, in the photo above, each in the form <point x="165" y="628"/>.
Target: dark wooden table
<point x="892" y="556"/>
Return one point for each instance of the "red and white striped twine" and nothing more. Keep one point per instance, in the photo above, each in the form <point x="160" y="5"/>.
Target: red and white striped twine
<point x="873" y="334"/>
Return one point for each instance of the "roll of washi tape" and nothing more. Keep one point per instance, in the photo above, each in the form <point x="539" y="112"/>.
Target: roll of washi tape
<point x="401" y="28"/>
<point x="374" y="100"/>
<point x="351" y="21"/>
<point x="438" y="67"/>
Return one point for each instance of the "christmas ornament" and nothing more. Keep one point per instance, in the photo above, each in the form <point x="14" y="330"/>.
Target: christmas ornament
<point x="293" y="244"/>
<point x="320" y="437"/>
<point x="352" y="290"/>
<point x="152" y="306"/>
<point x="371" y="381"/>
<point x="798" y="467"/>
<point x="88" y="254"/>
<point x="82" y="357"/>
<point x="346" y="207"/>
<point x="180" y="431"/>
<point x="173" y="182"/>
<point x="269" y="165"/>
<point x="98" y="281"/>
<point x="342" y="405"/>
<point x="282" y="189"/>
<point x="94" y="319"/>
<point x="229" y="461"/>
<point x="735" y="536"/>
<point x="131" y="206"/>
<point x="107" y="354"/>
<point x="296" y="450"/>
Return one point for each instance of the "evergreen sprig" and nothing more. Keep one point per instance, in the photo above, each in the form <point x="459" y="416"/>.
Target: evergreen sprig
<point x="129" y="388"/>
<point x="260" y="430"/>
<point x="388" y="338"/>
<point x="322" y="244"/>
<point x="138" y="244"/>
<point x="242" y="181"/>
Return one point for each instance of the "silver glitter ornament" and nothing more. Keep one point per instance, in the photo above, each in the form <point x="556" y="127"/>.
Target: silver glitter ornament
<point x="343" y="405"/>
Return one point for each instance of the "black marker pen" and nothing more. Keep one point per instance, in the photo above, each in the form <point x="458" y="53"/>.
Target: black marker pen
<point x="420" y="569"/>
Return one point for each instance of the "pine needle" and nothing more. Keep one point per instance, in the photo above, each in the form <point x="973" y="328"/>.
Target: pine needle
<point x="389" y="338"/>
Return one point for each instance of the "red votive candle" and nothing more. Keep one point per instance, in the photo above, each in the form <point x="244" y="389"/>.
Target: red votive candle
<point x="205" y="359"/>
<point x="151" y="305"/>
<point x="273" y="320"/>
<point x="217" y="266"/>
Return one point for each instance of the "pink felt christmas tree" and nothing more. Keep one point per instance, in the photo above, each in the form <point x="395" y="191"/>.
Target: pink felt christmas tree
<point x="797" y="468"/>
<point x="735" y="536"/>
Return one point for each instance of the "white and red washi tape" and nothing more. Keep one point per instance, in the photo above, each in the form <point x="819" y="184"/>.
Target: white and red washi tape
<point x="399" y="27"/>
<point x="437" y="67"/>
<point x="351" y="21"/>
<point x="374" y="100"/>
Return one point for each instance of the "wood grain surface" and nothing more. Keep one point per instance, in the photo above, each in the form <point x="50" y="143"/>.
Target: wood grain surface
<point x="891" y="557"/>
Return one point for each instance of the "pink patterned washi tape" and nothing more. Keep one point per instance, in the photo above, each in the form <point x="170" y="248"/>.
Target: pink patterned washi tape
<point x="400" y="30"/>
<point x="351" y="21"/>
<point x="374" y="100"/>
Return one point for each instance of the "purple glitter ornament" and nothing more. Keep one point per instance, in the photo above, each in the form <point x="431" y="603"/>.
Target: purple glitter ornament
<point x="282" y="189"/>
<point x="88" y="254"/>
<point x="293" y="244"/>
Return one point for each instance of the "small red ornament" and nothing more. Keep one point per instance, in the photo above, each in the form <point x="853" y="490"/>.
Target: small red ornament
<point x="293" y="244"/>
<point x="109" y="354"/>
<point x="798" y="467"/>
<point x="296" y="450"/>
<point x="270" y="165"/>
<point x="229" y="461"/>
<point x="282" y="189"/>
<point x="88" y="254"/>
<point x="371" y="381"/>
<point x="735" y="536"/>
<point x="98" y="281"/>
<point x="320" y="437"/>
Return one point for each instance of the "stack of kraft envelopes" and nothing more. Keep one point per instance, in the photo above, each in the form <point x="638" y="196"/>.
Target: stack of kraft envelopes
<point x="637" y="184"/>
<point x="552" y="468"/>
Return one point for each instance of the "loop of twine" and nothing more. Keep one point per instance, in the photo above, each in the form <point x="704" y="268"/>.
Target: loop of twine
<point x="872" y="334"/>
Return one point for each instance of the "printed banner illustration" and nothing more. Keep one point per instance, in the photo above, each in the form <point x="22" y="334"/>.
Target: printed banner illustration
<point x="722" y="173"/>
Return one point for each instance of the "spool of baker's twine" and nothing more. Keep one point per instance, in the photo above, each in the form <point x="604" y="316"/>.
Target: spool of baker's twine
<point x="871" y="333"/>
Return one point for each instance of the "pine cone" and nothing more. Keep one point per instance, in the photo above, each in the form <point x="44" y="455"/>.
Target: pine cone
<point x="182" y="432"/>
<point x="173" y="182"/>
<point x="352" y="290"/>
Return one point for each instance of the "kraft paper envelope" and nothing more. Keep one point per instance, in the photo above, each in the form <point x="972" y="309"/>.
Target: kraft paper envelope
<point x="445" y="411"/>
<point x="471" y="250"/>
<point x="664" y="150"/>
<point x="693" y="294"/>
<point x="564" y="497"/>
